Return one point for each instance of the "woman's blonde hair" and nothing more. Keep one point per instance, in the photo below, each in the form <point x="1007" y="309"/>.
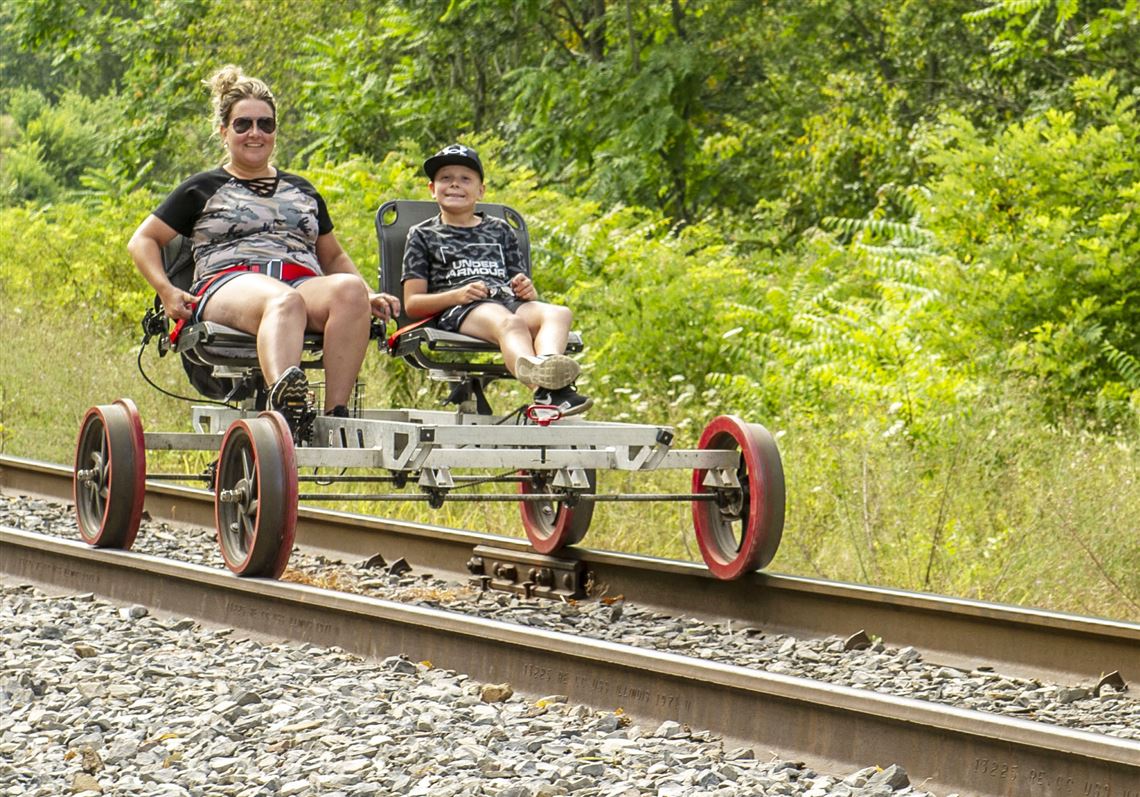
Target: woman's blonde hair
<point x="228" y="85"/>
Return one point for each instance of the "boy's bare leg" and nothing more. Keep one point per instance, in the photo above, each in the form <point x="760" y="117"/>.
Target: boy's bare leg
<point x="509" y="331"/>
<point x="549" y="326"/>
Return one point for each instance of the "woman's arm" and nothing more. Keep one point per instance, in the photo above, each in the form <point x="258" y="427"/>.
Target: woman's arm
<point x="334" y="260"/>
<point x="145" y="248"/>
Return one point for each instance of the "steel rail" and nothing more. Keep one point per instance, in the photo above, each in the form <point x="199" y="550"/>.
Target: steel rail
<point x="952" y="631"/>
<point x="833" y="728"/>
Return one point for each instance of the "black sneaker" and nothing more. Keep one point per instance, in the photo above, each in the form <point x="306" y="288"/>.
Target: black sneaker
<point x="339" y="411"/>
<point x="289" y="396"/>
<point x="566" y="400"/>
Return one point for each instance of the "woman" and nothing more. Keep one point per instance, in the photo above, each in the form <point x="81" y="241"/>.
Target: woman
<point x="265" y="257"/>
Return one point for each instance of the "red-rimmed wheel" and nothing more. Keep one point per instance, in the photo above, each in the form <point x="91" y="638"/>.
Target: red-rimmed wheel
<point x="255" y="496"/>
<point x="552" y="525"/>
<point x="740" y="531"/>
<point x="109" y="482"/>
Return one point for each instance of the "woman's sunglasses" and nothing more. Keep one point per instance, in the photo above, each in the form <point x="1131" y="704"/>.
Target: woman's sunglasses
<point x="242" y="124"/>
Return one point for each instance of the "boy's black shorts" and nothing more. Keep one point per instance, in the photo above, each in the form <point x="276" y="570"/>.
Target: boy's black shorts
<point x="452" y="318"/>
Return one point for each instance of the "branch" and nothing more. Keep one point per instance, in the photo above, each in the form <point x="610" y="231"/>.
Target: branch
<point x="631" y="32"/>
<point x="558" y="40"/>
<point x="568" y="18"/>
<point x="678" y="19"/>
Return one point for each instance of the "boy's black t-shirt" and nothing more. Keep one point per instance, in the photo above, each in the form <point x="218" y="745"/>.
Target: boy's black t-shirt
<point x="229" y="221"/>
<point x="448" y="257"/>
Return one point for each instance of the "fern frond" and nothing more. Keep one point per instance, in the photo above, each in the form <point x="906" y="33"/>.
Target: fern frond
<point x="1125" y="364"/>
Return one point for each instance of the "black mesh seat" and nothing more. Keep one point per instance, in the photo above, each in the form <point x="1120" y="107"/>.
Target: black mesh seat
<point x="448" y="356"/>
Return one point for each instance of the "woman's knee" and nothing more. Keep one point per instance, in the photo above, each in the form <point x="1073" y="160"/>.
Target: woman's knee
<point x="346" y="293"/>
<point x="286" y="304"/>
<point x="347" y="287"/>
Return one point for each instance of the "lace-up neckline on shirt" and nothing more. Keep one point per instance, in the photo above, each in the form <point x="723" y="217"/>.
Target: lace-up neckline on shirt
<point x="262" y="186"/>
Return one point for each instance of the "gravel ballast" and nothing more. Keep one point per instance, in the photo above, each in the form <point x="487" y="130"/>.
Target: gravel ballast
<point x="98" y="699"/>
<point x="894" y="671"/>
<point x="146" y="706"/>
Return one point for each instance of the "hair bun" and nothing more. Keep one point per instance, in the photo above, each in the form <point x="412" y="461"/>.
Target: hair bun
<point x="224" y="80"/>
<point x="229" y="85"/>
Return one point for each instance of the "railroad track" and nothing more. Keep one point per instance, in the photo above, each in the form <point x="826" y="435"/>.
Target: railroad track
<point x="956" y="632"/>
<point x="830" y="726"/>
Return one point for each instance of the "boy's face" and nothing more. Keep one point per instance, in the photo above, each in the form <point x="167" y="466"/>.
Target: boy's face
<point x="456" y="188"/>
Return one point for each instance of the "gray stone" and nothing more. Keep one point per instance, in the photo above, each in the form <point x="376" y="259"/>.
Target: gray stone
<point x="894" y="777"/>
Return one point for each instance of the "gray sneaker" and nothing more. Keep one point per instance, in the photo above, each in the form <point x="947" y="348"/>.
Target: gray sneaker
<point x="552" y="371"/>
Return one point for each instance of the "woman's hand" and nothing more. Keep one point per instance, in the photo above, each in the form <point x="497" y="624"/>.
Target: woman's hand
<point x="385" y="306"/>
<point x="177" y="303"/>
<point x="523" y="287"/>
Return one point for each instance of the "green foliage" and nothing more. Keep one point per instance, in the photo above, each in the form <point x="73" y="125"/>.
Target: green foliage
<point x="24" y="176"/>
<point x="1127" y="366"/>
<point x="70" y="138"/>
<point x="55" y="145"/>
<point x="1042" y="221"/>
<point x="1003" y="510"/>
<point x="348" y="94"/>
<point x="1092" y="34"/>
<point x="635" y="138"/>
<point x="67" y="257"/>
<point x="25" y="104"/>
<point x="855" y="325"/>
<point x="702" y="110"/>
<point x="903" y="235"/>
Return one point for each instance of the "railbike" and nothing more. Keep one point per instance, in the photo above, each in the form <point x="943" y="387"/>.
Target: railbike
<point x="548" y="463"/>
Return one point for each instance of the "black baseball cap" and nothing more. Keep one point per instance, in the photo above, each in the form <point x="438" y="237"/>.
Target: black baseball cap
<point x="454" y="155"/>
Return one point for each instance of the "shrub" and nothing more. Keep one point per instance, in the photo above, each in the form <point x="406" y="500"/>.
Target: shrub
<point x="24" y="176"/>
<point x="1041" y="221"/>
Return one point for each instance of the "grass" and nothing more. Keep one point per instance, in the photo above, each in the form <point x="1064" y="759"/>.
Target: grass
<point x="1004" y="511"/>
<point x="1000" y="508"/>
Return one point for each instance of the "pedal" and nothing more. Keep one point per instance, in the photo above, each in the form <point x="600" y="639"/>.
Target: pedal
<point x="303" y="435"/>
<point x="302" y="421"/>
<point x="531" y="575"/>
<point x="543" y="414"/>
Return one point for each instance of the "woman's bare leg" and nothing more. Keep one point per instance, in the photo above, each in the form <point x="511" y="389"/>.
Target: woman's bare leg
<point x="268" y="309"/>
<point x="337" y="304"/>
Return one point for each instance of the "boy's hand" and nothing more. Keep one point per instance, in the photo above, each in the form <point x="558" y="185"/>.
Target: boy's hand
<point x="523" y="287"/>
<point x="471" y="292"/>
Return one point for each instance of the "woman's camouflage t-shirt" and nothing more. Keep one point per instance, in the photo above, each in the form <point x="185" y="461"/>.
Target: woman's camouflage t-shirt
<point x="230" y="221"/>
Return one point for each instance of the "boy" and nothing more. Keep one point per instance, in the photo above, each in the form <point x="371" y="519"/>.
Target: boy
<point x="466" y="269"/>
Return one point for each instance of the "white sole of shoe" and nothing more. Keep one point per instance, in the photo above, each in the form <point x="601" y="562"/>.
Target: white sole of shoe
<point x="551" y="372"/>
<point x="292" y="394"/>
<point x="585" y="405"/>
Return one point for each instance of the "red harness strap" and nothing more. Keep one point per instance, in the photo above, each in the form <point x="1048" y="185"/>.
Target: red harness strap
<point x="286" y="272"/>
<point x="395" y="336"/>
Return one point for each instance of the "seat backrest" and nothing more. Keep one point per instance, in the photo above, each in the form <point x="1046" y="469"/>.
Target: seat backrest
<point x="178" y="262"/>
<point x="395" y="218"/>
